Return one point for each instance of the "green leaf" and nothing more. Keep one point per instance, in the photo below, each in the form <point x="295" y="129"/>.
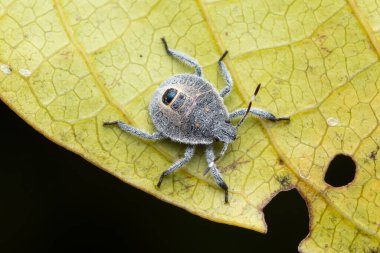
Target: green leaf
<point x="68" y="66"/>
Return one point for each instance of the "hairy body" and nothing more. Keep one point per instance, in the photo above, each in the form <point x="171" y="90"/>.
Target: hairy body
<point x="195" y="114"/>
<point x="186" y="108"/>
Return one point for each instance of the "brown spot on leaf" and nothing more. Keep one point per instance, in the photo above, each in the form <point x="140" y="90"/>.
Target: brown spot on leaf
<point x="67" y="54"/>
<point x="373" y="250"/>
<point x="321" y="38"/>
<point x="284" y="181"/>
<point x="326" y="50"/>
<point x="373" y="154"/>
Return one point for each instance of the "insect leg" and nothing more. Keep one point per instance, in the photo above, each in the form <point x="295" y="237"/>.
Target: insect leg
<point x="189" y="152"/>
<point x="183" y="58"/>
<point x="221" y="154"/>
<point x="210" y="157"/>
<point x="226" y="76"/>
<point x="129" y="129"/>
<point x="223" y="151"/>
<point x="258" y="113"/>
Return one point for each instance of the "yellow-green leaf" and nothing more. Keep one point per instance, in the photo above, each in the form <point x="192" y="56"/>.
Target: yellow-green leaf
<point x="67" y="66"/>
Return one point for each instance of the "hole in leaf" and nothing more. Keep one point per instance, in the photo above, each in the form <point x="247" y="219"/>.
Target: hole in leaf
<point x="287" y="218"/>
<point x="341" y="171"/>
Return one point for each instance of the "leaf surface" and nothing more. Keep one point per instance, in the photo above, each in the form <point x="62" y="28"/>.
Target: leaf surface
<point x="68" y="66"/>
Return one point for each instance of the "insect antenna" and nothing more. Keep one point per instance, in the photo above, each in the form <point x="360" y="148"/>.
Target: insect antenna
<point x="249" y="106"/>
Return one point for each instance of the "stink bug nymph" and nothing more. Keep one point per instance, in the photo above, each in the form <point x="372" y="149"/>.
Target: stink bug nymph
<point x="186" y="108"/>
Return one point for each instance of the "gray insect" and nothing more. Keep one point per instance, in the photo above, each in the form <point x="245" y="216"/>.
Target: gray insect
<point x="186" y="108"/>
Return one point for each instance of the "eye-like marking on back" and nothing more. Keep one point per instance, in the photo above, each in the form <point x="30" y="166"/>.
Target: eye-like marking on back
<point x="169" y="95"/>
<point x="174" y="98"/>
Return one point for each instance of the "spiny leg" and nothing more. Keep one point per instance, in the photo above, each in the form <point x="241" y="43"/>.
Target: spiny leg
<point x="222" y="151"/>
<point x="210" y="157"/>
<point x="258" y="113"/>
<point x="129" y="129"/>
<point x="189" y="152"/>
<point x="221" y="154"/>
<point x="226" y="76"/>
<point x="183" y="58"/>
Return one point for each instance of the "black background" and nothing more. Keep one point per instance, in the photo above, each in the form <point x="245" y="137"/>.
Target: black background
<point x="52" y="200"/>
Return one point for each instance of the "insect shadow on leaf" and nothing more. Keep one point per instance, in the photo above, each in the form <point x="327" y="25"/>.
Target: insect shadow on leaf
<point x="186" y="108"/>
